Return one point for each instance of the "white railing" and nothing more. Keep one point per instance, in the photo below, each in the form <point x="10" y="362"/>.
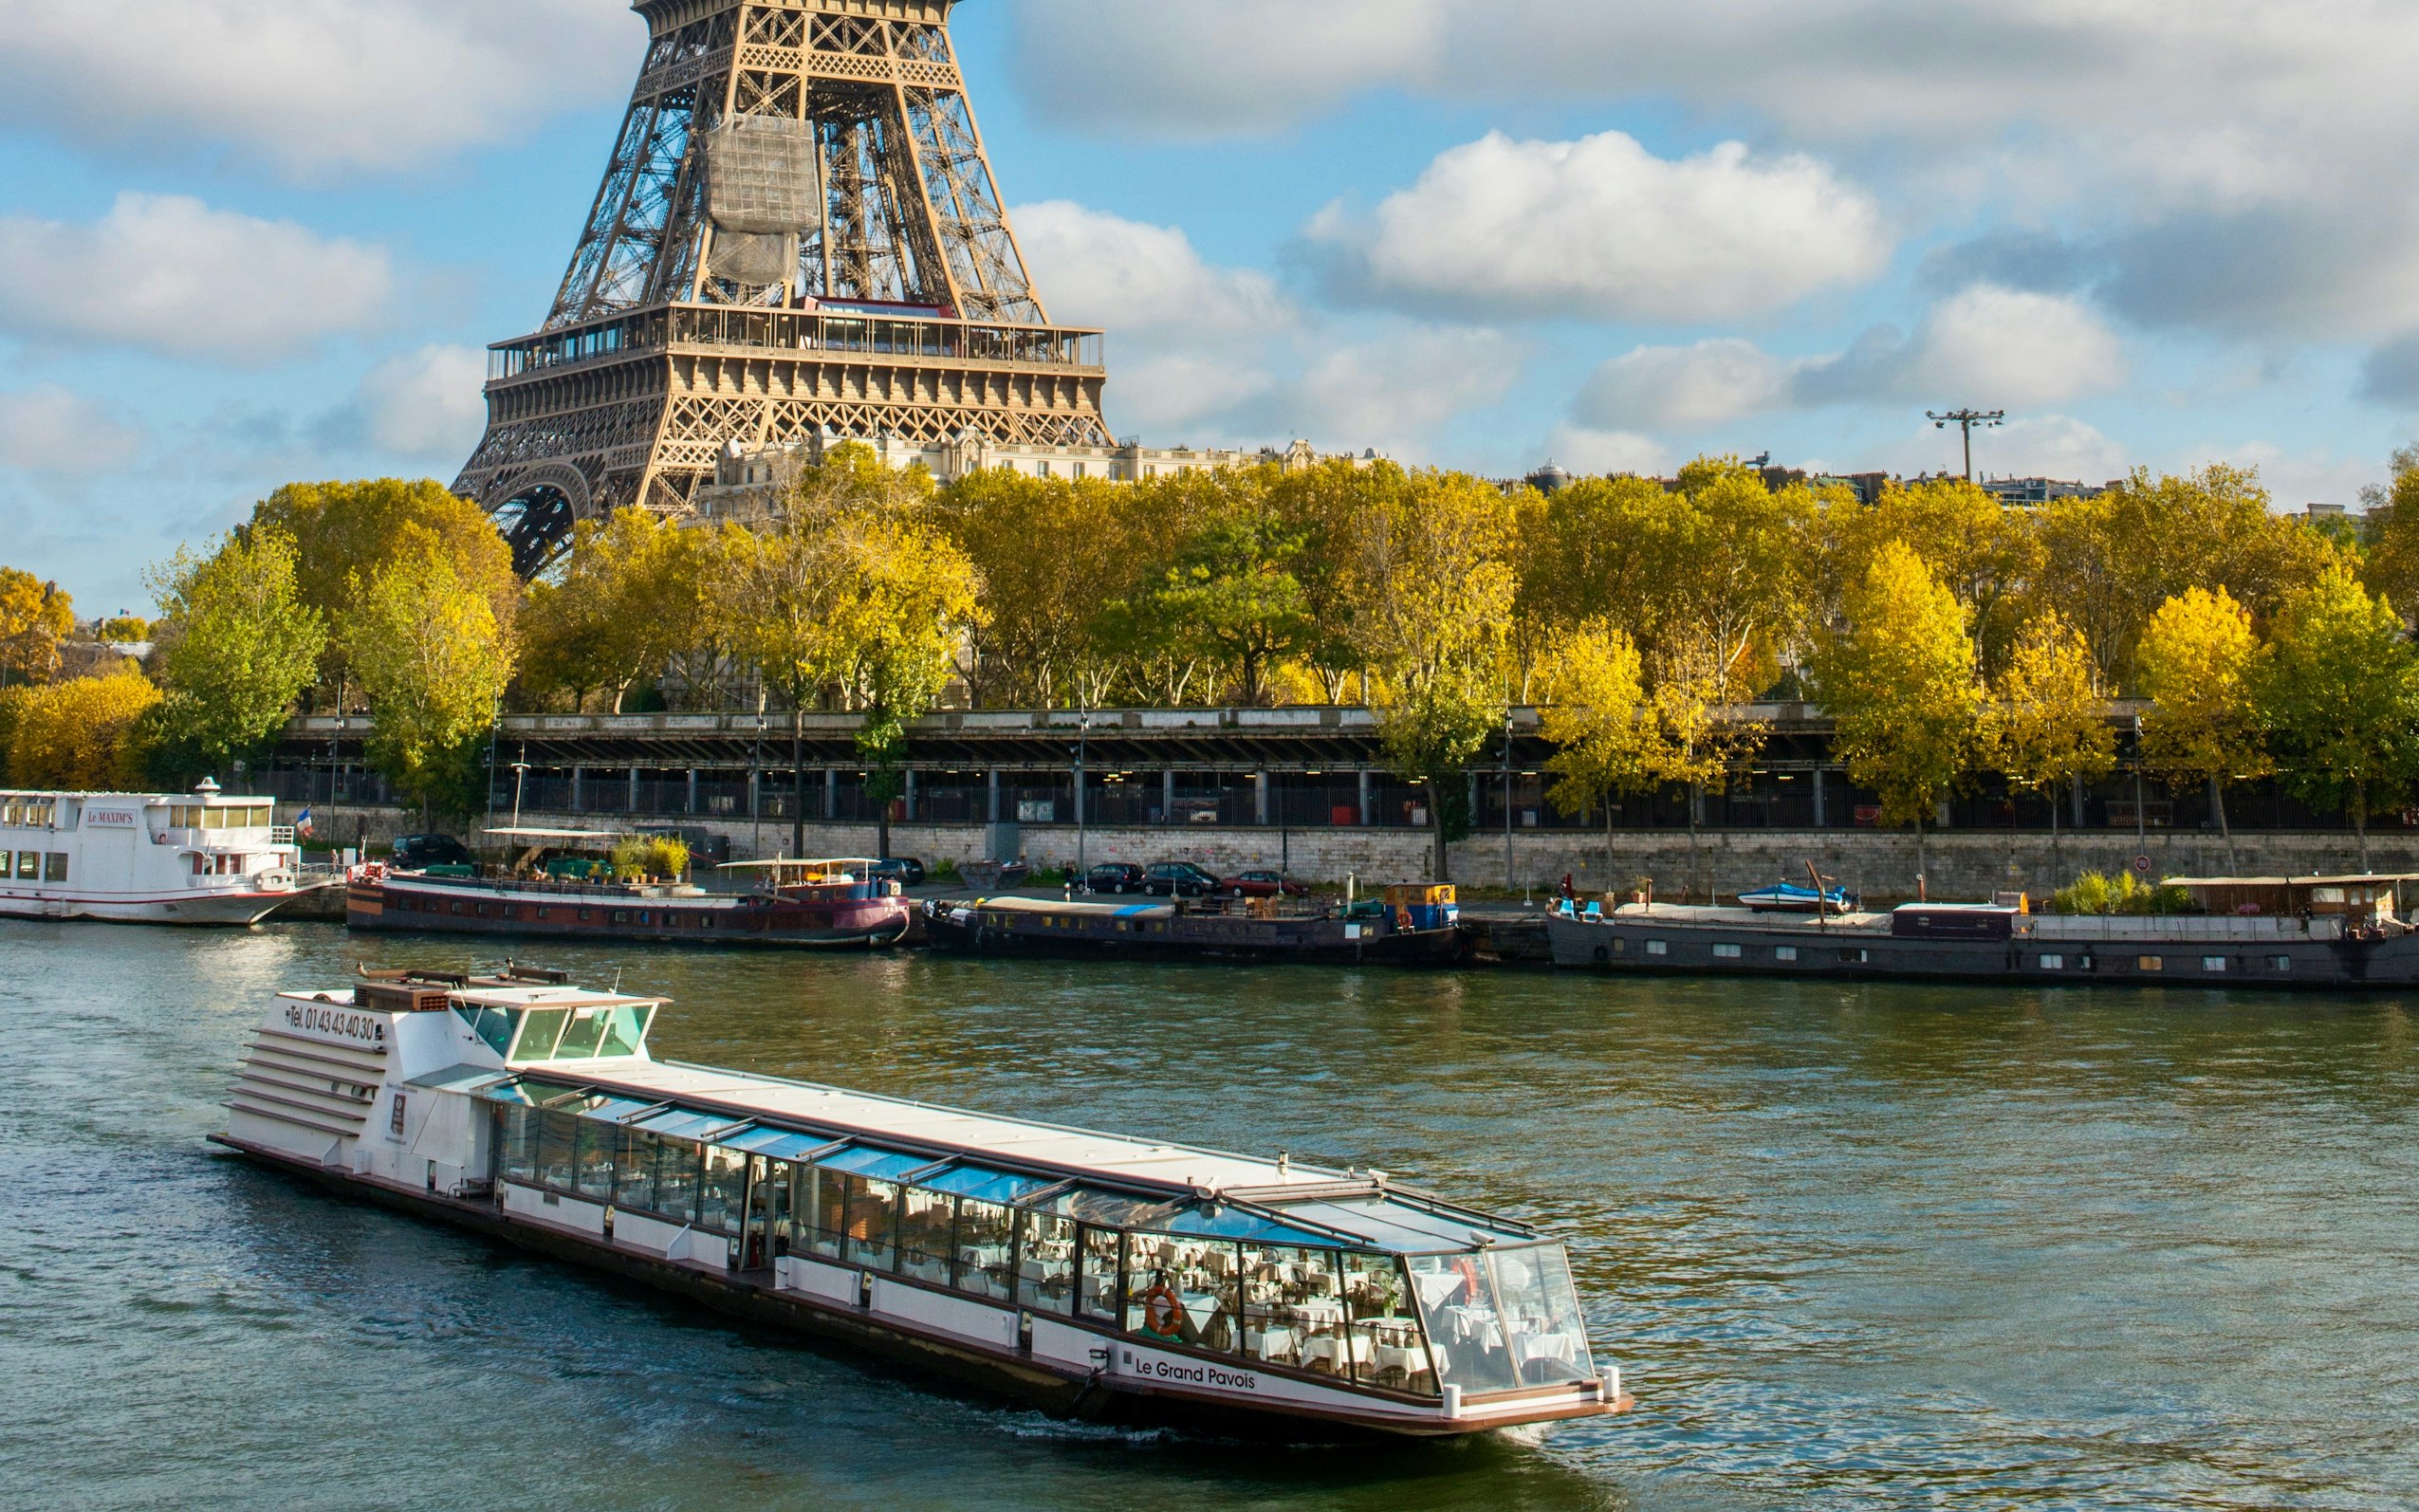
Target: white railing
<point x="2177" y="927"/>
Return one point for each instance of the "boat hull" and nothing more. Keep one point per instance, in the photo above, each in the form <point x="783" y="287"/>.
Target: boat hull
<point x="1004" y="1374"/>
<point x="407" y="906"/>
<point x="230" y="910"/>
<point x="1644" y="945"/>
<point x="1247" y="942"/>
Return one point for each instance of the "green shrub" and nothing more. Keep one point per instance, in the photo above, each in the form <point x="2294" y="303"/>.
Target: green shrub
<point x="2093" y="893"/>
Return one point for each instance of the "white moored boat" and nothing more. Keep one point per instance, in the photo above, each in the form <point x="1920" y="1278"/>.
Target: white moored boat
<point x="1092" y="1275"/>
<point x="198" y="857"/>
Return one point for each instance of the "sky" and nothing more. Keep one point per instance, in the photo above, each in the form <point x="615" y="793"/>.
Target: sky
<point x="249" y="242"/>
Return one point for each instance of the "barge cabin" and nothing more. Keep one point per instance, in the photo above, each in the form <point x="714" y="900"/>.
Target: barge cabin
<point x="1092" y="1275"/>
<point x="1413" y="926"/>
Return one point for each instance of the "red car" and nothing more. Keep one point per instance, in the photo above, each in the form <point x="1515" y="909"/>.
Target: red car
<point x="1263" y="884"/>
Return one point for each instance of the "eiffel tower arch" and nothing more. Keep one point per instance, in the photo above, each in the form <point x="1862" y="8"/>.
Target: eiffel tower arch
<point x="799" y="231"/>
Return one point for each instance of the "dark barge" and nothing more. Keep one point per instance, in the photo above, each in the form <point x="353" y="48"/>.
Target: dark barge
<point x="1413" y="927"/>
<point x="2329" y="934"/>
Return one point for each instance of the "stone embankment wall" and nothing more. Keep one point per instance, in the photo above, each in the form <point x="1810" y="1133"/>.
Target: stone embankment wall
<point x="1879" y="864"/>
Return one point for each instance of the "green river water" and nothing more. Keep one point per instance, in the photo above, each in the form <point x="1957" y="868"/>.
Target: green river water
<point x="1853" y="1247"/>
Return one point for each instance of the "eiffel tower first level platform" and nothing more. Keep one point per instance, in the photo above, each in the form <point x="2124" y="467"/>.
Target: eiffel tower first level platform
<point x="799" y="232"/>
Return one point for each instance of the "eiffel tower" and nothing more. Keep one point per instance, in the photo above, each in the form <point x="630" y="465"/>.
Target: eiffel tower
<point x="799" y="232"/>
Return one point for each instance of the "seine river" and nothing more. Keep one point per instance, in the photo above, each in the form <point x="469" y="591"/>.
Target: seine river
<point x="1853" y="1248"/>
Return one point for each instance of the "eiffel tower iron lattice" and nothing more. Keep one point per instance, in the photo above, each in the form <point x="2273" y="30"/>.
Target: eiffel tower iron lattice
<point x="799" y="232"/>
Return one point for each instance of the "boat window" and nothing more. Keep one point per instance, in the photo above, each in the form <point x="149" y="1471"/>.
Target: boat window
<point x="517" y="1143"/>
<point x="1046" y="1264"/>
<point x="1504" y="1319"/>
<point x="1235" y="1223"/>
<point x="28" y="866"/>
<point x="1096" y="1286"/>
<point x="925" y="1226"/>
<point x="991" y="1186"/>
<point x="723" y="1191"/>
<point x="1377" y="1299"/>
<point x="1293" y="1306"/>
<point x="593" y="1159"/>
<point x="1183" y="1290"/>
<point x="634" y="1169"/>
<point x="685" y="1125"/>
<point x="850" y="1217"/>
<point x="539" y="1032"/>
<point x="493" y="1025"/>
<point x="55" y="868"/>
<point x="584" y="1033"/>
<point x="779" y="1144"/>
<point x="556" y="1135"/>
<point x="985" y="1231"/>
<point x="677" y="1163"/>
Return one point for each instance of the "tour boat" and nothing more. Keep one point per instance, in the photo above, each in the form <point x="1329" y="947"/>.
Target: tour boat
<point x="1414" y="926"/>
<point x="1121" y="1279"/>
<point x="2310" y="932"/>
<point x="798" y="904"/>
<point x="197" y="858"/>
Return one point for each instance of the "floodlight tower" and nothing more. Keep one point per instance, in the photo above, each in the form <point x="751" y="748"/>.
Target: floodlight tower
<point x="1966" y="420"/>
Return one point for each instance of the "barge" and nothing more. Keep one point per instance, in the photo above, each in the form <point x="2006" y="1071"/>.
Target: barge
<point x="201" y="858"/>
<point x="1414" y="926"/>
<point x="810" y="905"/>
<point x="2315" y="932"/>
<point x="1095" y="1276"/>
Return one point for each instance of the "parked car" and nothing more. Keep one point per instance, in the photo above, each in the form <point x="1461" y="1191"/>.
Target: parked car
<point x="418" y="853"/>
<point x="904" y="870"/>
<point x="1179" y="879"/>
<point x="1263" y="884"/>
<point x="1113" y="876"/>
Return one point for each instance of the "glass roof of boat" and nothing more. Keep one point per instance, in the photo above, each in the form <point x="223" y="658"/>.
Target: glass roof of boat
<point x="1100" y="1179"/>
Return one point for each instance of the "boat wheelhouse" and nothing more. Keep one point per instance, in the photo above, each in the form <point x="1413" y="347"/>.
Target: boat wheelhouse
<point x="797" y="904"/>
<point x="201" y="858"/>
<point x="1090" y="1274"/>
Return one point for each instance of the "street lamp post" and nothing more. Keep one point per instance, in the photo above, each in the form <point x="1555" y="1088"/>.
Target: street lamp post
<point x="520" y="778"/>
<point x="1507" y="800"/>
<point x="1082" y="741"/>
<point x="1966" y="420"/>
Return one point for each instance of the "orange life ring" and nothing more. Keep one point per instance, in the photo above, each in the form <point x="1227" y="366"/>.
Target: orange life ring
<point x="1160" y="1311"/>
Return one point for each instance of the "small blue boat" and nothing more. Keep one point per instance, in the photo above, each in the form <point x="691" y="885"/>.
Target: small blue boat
<point x="1788" y="897"/>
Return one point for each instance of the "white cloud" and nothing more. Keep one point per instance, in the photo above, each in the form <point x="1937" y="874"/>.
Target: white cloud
<point x="1400" y="390"/>
<point x="167" y="273"/>
<point x="313" y="87"/>
<point x="1220" y="356"/>
<point x="1096" y="268"/>
<point x="429" y="404"/>
<point x="2297" y="478"/>
<point x="1600" y="226"/>
<point x="1688" y="387"/>
<point x="1582" y="450"/>
<point x="1985" y="345"/>
<point x="2198" y="157"/>
<point x="48" y="430"/>
<point x="1283" y="61"/>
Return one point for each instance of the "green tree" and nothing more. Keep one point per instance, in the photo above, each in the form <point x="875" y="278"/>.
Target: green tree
<point x="236" y="648"/>
<point x="2047" y="721"/>
<point x="918" y="598"/>
<point x="2111" y="561"/>
<point x="1897" y="678"/>
<point x="2198" y="661"/>
<point x="86" y="734"/>
<point x="1701" y="674"/>
<point x="34" y="617"/>
<point x="1606" y="741"/>
<point x="1232" y="595"/>
<point x="2339" y="690"/>
<point x="624" y="601"/>
<point x="345" y="534"/>
<point x="427" y="650"/>
<point x="1985" y="553"/>
<point x="2389" y="533"/>
<point x="1435" y="624"/>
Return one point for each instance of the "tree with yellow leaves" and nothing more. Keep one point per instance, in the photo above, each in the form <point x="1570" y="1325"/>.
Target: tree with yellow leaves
<point x="425" y="649"/>
<point x="2197" y="662"/>
<point x="34" y="617"/>
<point x="2047" y="721"/>
<point x="1597" y="715"/>
<point x="83" y="735"/>
<point x="2340" y="689"/>
<point x="1897" y="678"/>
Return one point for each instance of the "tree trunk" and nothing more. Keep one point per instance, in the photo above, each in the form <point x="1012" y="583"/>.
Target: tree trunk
<point x="1436" y="821"/>
<point x="1923" y="865"/>
<point x="2217" y="802"/>
<point x="1612" y="882"/>
<point x="882" y="830"/>
<point x="797" y="780"/>
<point x="2360" y="818"/>
<point x="1696" y="872"/>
